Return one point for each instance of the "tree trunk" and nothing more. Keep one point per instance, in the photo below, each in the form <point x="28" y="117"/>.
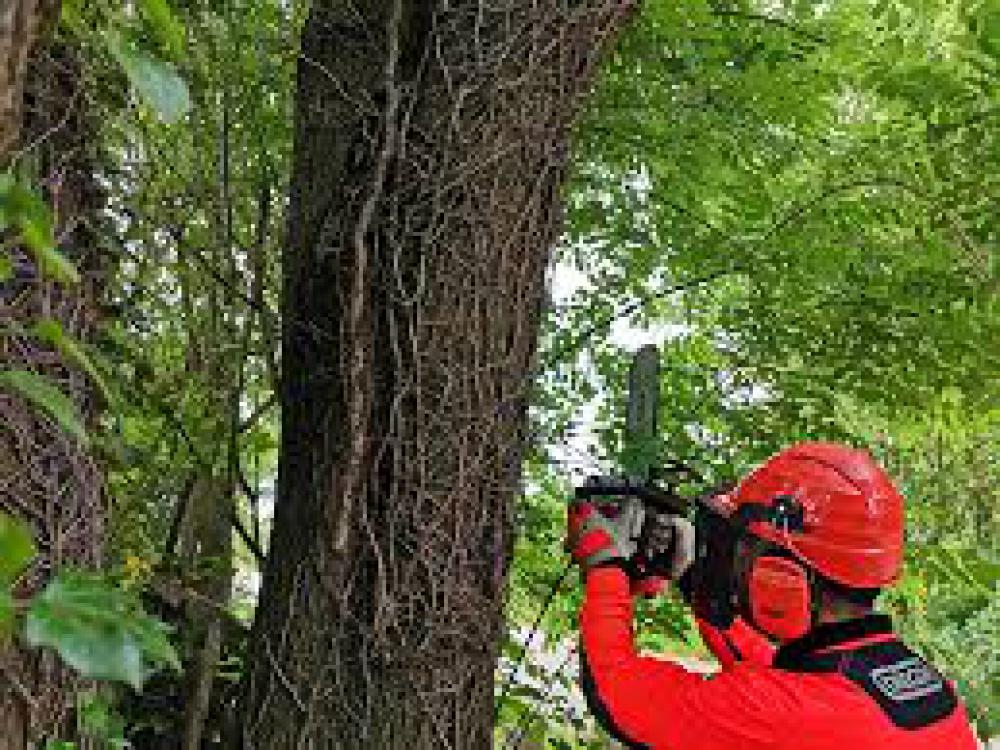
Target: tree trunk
<point x="209" y="543"/>
<point x="21" y="21"/>
<point x="49" y="480"/>
<point x="209" y="537"/>
<point x="431" y="140"/>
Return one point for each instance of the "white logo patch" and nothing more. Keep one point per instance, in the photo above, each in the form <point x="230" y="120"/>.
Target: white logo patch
<point x="906" y="680"/>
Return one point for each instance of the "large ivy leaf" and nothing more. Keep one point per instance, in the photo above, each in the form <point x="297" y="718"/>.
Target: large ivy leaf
<point x="99" y="630"/>
<point x="17" y="547"/>
<point x="24" y="209"/>
<point x="154" y="80"/>
<point x="40" y="392"/>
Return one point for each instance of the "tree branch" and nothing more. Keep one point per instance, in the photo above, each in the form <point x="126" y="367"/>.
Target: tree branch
<point x="259" y="412"/>
<point x="771" y="21"/>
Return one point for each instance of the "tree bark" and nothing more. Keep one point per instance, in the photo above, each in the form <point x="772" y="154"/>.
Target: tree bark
<point x="431" y="141"/>
<point x="21" y="22"/>
<point x="49" y="479"/>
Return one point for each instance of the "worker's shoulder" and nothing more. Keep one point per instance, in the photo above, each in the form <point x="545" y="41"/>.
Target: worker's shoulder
<point x="831" y="705"/>
<point x="750" y="706"/>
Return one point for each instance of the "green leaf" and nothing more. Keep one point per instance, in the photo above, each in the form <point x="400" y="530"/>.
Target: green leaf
<point x="40" y="392"/>
<point x="72" y="14"/>
<point x="261" y="442"/>
<point x="6" y="268"/>
<point x="17" y="547"/>
<point x="99" y="630"/>
<point x="51" y="332"/>
<point x="161" y="17"/>
<point x="988" y="26"/>
<point x="156" y="81"/>
<point x="23" y="208"/>
<point x="53" y="263"/>
<point x="37" y="228"/>
<point x="98" y="719"/>
<point x="6" y="614"/>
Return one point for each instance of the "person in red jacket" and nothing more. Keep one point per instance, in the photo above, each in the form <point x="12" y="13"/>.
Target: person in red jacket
<point x="782" y="574"/>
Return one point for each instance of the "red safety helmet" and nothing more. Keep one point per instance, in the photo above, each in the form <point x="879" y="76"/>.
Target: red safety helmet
<point x="832" y="507"/>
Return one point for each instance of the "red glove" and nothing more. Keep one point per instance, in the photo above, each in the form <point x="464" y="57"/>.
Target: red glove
<point x="603" y="534"/>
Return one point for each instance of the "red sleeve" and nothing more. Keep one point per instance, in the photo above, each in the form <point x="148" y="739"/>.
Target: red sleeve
<point x="737" y="643"/>
<point x="656" y="704"/>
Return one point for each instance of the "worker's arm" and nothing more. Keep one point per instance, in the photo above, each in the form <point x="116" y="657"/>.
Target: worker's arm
<point x="655" y="704"/>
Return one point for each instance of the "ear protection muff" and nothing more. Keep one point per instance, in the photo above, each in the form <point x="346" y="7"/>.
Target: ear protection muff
<point x="776" y="593"/>
<point x="780" y="597"/>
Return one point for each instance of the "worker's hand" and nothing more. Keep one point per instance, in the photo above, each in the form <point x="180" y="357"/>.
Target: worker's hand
<point x="666" y="551"/>
<point x="599" y="534"/>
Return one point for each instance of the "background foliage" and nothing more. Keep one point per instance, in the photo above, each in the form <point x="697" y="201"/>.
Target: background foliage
<point x="785" y="194"/>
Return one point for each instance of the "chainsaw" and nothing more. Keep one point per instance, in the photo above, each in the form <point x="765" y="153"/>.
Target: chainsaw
<point x="646" y="493"/>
